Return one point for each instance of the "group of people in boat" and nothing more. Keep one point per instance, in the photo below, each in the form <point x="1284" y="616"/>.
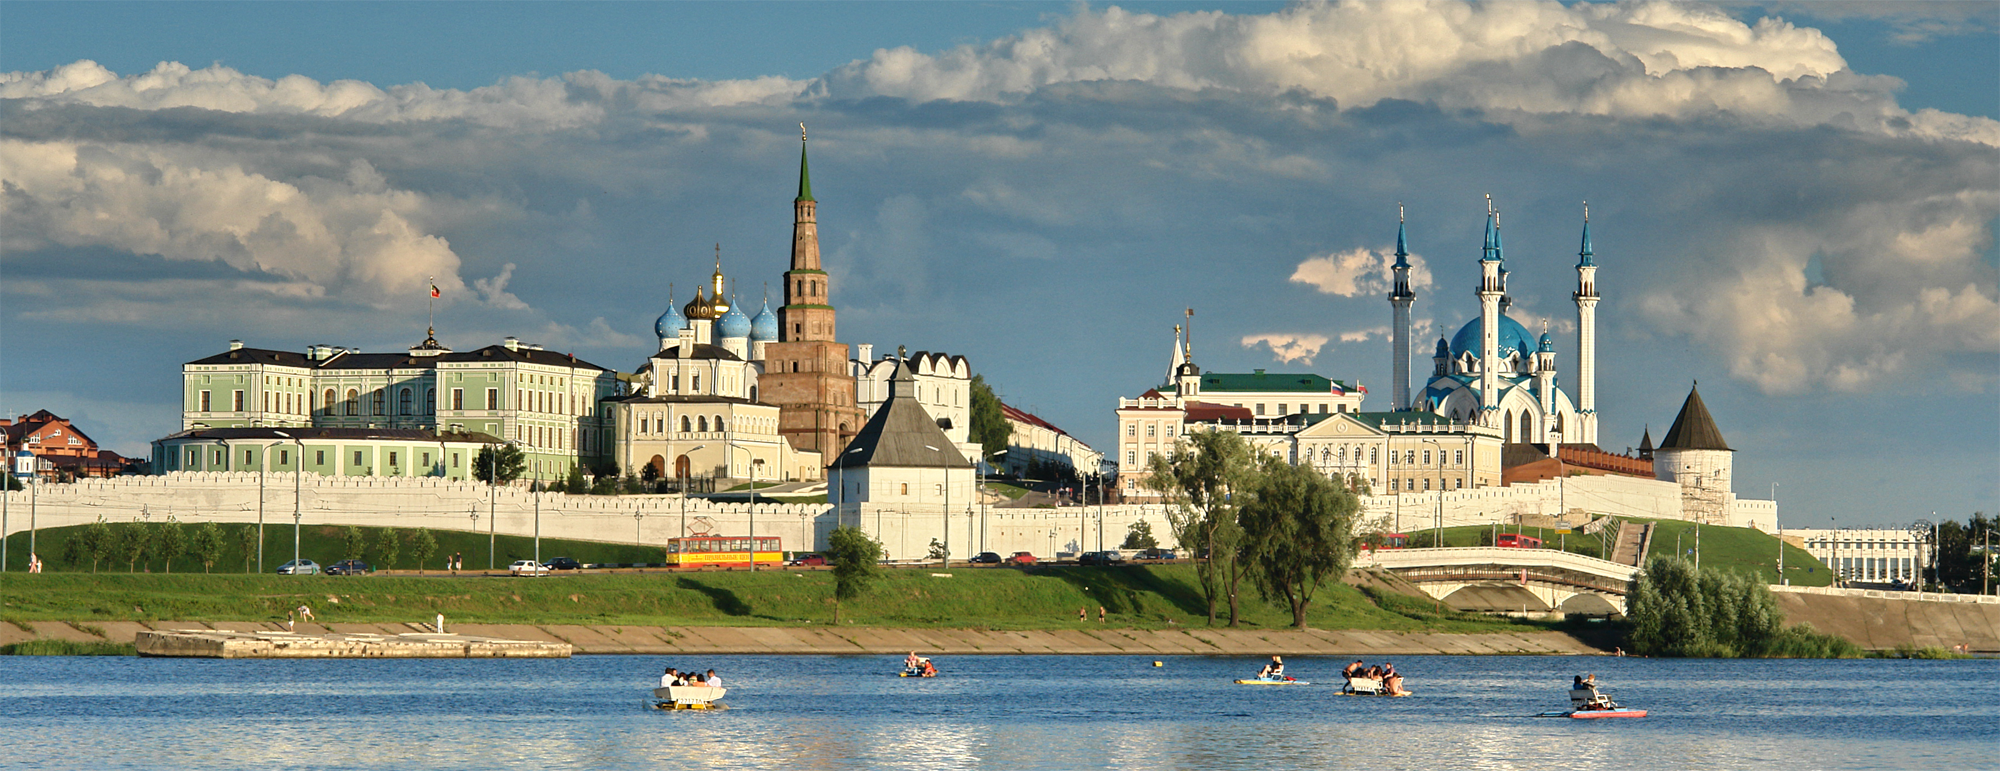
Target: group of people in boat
<point x="1583" y="695"/>
<point x="1387" y="679"/>
<point x="673" y="677"/>
<point x="918" y="666"/>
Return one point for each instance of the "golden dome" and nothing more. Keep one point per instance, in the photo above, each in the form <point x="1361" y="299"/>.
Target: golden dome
<point x="698" y="308"/>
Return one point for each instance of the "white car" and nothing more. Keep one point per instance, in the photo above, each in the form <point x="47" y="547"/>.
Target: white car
<point x="527" y="568"/>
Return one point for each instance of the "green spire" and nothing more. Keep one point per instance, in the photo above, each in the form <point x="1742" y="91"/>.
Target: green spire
<point x="805" y="178"/>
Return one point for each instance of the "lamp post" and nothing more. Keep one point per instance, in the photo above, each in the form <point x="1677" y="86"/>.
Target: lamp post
<point x="493" y="502"/>
<point x="1440" y="514"/>
<point x="1780" y="527"/>
<point x="684" y="491"/>
<point x="983" y="527"/>
<point x="946" y="511"/>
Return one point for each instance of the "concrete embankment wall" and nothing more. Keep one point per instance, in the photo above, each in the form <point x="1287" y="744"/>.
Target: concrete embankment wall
<point x="1880" y="620"/>
<point x="897" y="642"/>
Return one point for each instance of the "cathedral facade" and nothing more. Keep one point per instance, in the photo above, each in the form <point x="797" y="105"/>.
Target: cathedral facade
<point x="1494" y="372"/>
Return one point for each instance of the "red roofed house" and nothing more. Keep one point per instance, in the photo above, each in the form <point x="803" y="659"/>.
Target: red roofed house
<point x="60" y="447"/>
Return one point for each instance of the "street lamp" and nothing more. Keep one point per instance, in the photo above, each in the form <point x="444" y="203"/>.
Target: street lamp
<point x="983" y="527"/>
<point x="493" y="503"/>
<point x="1780" y="527"/>
<point x="264" y="469"/>
<point x="946" y="511"/>
<point x="1440" y="514"/>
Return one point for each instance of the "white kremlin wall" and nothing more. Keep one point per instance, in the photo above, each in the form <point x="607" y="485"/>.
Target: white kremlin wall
<point x="1600" y="494"/>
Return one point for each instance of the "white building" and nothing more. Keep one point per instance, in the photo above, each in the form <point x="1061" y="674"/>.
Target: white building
<point x="1866" y="554"/>
<point x="1036" y="441"/>
<point x="943" y="384"/>
<point x="901" y="457"/>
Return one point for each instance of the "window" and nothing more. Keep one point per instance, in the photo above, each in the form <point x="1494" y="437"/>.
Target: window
<point x="1151" y="430"/>
<point x="1371" y="454"/>
<point x="718" y="423"/>
<point x="906" y="488"/>
<point x="193" y="457"/>
<point x="204" y="401"/>
<point x="454" y="459"/>
<point x="319" y="457"/>
<point x="430" y="401"/>
<point x="1395" y="484"/>
<point x="284" y="457"/>
<point x="1322" y="409"/>
<point x="1427" y="485"/>
<point x="701" y="423"/>
<point x="1260" y="409"/>
<point x="1409" y="456"/>
<point x="236" y="402"/>
<point x="458" y="398"/>
<point x="1282" y="409"/>
<point x="686" y="425"/>
<point x="353" y="402"/>
<point x="403" y="403"/>
<point x="247" y="459"/>
<point x="1427" y="457"/>
<point x="357" y="457"/>
<point x="694" y="383"/>
<point x="377" y="397"/>
<point x="1458" y="457"/>
<point x="427" y="460"/>
<point x="327" y="403"/>
<point x="1131" y="458"/>
<point x="1458" y="484"/>
<point x="492" y="398"/>
<point x="1131" y="429"/>
<point x="392" y="459"/>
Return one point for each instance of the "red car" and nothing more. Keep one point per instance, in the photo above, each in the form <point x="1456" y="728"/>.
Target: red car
<point x="1021" y="558"/>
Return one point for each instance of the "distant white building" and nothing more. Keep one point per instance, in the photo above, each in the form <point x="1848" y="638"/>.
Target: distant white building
<point x="1866" y="554"/>
<point x="942" y="383"/>
<point x="1035" y="440"/>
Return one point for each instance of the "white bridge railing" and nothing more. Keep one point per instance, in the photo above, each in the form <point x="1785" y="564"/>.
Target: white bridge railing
<point x="1401" y="559"/>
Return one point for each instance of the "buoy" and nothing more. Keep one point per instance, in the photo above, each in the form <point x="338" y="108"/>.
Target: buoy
<point x="1158" y="664"/>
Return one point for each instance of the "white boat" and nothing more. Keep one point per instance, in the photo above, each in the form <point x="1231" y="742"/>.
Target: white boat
<point x="688" y="697"/>
<point x="1272" y="681"/>
<point x="1368" y="686"/>
<point x="1587" y="703"/>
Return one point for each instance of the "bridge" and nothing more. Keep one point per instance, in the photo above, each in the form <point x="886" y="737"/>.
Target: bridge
<point x="1501" y="579"/>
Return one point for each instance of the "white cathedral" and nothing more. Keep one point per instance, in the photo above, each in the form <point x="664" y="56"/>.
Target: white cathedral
<point x="1494" y="372"/>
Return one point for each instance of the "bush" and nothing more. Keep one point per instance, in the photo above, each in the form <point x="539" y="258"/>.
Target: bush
<point x="1677" y="611"/>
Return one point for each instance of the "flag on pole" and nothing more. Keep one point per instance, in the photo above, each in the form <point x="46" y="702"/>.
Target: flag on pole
<point x="434" y="291"/>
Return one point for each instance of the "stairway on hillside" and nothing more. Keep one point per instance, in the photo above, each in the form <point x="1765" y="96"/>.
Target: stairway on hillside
<point x="1631" y="548"/>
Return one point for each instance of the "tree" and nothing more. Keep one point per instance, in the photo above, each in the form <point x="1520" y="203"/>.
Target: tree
<point x="246" y="536"/>
<point x="1959" y="554"/>
<point x="206" y="544"/>
<point x="1140" y="536"/>
<point x="171" y="542"/>
<point x="1198" y="478"/>
<point x="854" y="556"/>
<point x="649" y="473"/>
<point x="1677" y="611"/>
<point x="386" y="548"/>
<point x="422" y="547"/>
<point x="505" y="462"/>
<point x="133" y="541"/>
<point x="354" y="542"/>
<point x="1298" y="531"/>
<point x="936" y="550"/>
<point x="574" y="483"/>
<point x="989" y="424"/>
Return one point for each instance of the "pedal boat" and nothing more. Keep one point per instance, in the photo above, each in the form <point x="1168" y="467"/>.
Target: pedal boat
<point x="1588" y="704"/>
<point x="1272" y="681"/>
<point x="688" y="697"/>
<point x="1368" y="686"/>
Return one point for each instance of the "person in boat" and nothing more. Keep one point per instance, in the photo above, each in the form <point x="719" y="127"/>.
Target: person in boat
<point x="912" y="661"/>
<point x="713" y="680"/>
<point x="1393" y="680"/>
<point x="1272" y="671"/>
<point x="929" y="670"/>
<point x="670" y="678"/>
<point x="1353" y="670"/>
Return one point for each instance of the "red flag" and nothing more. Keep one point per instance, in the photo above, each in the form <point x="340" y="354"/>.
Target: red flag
<point x="434" y="291"/>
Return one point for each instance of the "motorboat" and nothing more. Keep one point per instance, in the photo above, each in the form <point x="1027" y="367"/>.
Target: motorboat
<point x="688" y="697"/>
<point x="1589" y="704"/>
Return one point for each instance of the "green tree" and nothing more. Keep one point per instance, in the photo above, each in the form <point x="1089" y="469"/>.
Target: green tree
<point x="170" y="543"/>
<point x="936" y="551"/>
<point x="1677" y="611"/>
<point x="386" y="548"/>
<point x="422" y="547"/>
<point x="133" y="541"/>
<point x="246" y="537"/>
<point x="854" y="556"/>
<point x="354" y="541"/>
<point x="1140" y="536"/>
<point x="574" y="483"/>
<point x="1197" y="478"/>
<point x="649" y="473"/>
<point x="989" y="424"/>
<point x="206" y="544"/>
<point x="1298" y="531"/>
<point x="1960" y="549"/>
<point x="504" y="462"/>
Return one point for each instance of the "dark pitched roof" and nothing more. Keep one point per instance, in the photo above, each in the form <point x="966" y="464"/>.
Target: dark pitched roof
<point x="679" y="399"/>
<point x="1261" y="381"/>
<point x="900" y="434"/>
<point x="700" y="351"/>
<point x="1693" y="428"/>
<point x="258" y="356"/>
<point x="395" y="360"/>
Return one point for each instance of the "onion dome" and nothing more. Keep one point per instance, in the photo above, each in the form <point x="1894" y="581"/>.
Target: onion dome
<point x="671" y="323"/>
<point x="1443" y="350"/>
<point x="698" y="308"/>
<point x="733" y="324"/>
<point x="1547" y="345"/>
<point x="764" y="326"/>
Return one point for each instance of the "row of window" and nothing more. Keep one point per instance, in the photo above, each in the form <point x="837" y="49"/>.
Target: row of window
<point x="221" y="458"/>
<point x="1410" y="485"/>
<point x="535" y="401"/>
<point x="1823" y="543"/>
<point x="658" y="425"/>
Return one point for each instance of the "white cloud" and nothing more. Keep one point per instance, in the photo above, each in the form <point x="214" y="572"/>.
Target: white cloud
<point x="494" y="290"/>
<point x="1288" y="348"/>
<point x="1358" y="271"/>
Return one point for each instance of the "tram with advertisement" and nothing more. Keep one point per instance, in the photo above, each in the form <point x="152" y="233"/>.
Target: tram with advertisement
<point x="723" y="551"/>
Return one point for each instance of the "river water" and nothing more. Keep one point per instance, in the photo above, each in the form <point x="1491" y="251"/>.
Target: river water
<point x="1011" y="712"/>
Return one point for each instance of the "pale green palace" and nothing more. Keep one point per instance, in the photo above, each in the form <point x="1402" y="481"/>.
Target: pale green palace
<point x="550" y="404"/>
<point x="370" y="452"/>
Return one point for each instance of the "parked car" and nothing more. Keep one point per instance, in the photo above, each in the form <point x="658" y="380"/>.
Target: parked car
<point x="985" y="558"/>
<point x="299" y="568"/>
<point x="806" y="558"/>
<point x="1100" y="558"/>
<point x="1157" y="554"/>
<point x="564" y="563"/>
<point x="349" y="568"/>
<point x="1022" y="558"/>
<point x="527" y="568"/>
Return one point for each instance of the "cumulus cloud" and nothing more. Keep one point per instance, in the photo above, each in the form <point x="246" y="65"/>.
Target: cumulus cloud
<point x="494" y="290"/>
<point x="1359" y="271"/>
<point x="1287" y="347"/>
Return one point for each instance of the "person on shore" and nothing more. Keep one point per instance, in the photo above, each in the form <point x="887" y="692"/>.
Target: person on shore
<point x="34" y="562"/>
<point x="305" y="613"/>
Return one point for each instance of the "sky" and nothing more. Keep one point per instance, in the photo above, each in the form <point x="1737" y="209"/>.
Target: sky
<point x="1793" y="204"/>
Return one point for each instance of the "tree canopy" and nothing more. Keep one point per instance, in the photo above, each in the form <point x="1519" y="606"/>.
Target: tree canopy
<point x="1298" y="531"/>
<point x="504" y="462"/>
<point x="989" y="425"/>
<point x="1678" y="611"/>
<point x="1197" y="478"/>
<point x="854" y="556"/>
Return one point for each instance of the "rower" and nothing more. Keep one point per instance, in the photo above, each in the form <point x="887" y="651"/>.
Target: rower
<point x="1273" y="670"/>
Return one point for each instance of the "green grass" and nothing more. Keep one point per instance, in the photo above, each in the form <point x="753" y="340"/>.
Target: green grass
<point x="68" y="648"/>
<point x="323" y="544"/>
<point x="1739" y="550"/>
<point x="1150" y="597"/>
<point x="1013" y="492"/>
<point x="1482" y="535"/>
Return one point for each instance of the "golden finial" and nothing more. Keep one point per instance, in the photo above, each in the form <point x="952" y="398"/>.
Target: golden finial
<point x="1586" y="211"/>
<point x="1399" y="212"/>
<point x="802" y="131"/>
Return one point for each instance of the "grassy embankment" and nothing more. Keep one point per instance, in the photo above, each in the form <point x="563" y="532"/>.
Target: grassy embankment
<point x="323" y="544"/>
<point x="1735" y="549"/>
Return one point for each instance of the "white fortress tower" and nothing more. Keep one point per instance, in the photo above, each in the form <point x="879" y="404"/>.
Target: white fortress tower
<point x="1695" y="455"/>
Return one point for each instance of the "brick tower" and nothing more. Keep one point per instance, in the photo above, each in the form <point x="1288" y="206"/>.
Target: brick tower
<point x="805" y="372"/>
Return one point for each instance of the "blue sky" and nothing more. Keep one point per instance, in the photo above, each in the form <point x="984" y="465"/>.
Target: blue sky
<point x="1792" y="203"/>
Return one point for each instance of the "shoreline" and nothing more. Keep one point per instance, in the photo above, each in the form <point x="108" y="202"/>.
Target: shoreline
<point x="859" y="640"/>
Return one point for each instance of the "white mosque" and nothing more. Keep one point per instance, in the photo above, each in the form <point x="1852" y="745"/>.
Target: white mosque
<point x="1494" y="372"/>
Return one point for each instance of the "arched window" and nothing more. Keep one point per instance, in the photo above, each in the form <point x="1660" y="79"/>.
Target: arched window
<point x="1507" y="426"/>
<point x="701" y="423"/>
<point x="694" y="383"/>
<point x="753" y="393"/>
<point x="326" y="403"/>
<point x="686" y="425"/>
<point x="353" y="402"/>
<point x="718" y="423"/>
<point x="430" y="401"/>
<point x="376" y="399"/>
<point x="403" y="402"/>
<point x="1527" y="427"/>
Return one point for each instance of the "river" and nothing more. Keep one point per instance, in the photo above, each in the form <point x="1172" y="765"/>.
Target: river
<point x="1011" y="712"/>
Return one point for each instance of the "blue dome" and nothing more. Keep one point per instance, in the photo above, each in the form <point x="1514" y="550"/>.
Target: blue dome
<point x="1547" y="345"/>
<point x="1513" y="337"/>
<point x="765" y="326"/>
<point x="733" y="324"/>
<point x="671" y="323"/>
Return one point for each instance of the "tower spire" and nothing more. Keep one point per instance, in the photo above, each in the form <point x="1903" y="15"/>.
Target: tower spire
<point x="805" y="177"/>
<point x="1585" y="253"/>
<point x="1400" y="298"/>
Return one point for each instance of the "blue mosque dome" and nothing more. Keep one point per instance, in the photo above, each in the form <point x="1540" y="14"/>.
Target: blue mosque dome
<point x="671" y="323"/>
<point x="733" y="324"/>
<point x="1513" y="337"/>
<point x="1547" y="345"/>
<point x="765" y="326"/>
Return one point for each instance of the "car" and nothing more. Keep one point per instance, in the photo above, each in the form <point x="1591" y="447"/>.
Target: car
<point x="1157" y="554"/>
<point x="1100" y="558"/>
<point x="1022" y="558"/>
<point x="564" y="563"/>
<point x="527" y="568"/>
<point x="299" y="568"/>
<point x="349" y="568"/>
<point x="985" y="558"/>
<point x="806" y="558"/>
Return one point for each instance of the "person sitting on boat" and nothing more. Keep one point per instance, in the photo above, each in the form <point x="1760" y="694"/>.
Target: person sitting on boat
<point x="713" y="680"/>
<point x="1272" y="671"/>
<point x="929" y="670"/>
<point x="912" y="661"/>
<point x="670" y="678"/>
<point x="1353" y="670"/>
